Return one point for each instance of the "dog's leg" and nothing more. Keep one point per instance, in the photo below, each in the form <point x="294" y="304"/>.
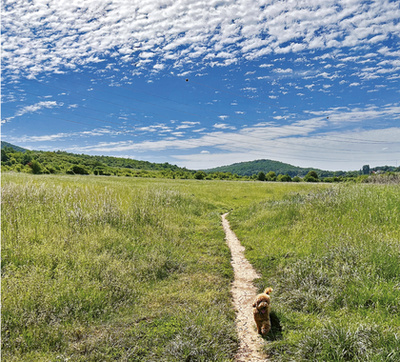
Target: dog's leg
<point x="266" y="326"/>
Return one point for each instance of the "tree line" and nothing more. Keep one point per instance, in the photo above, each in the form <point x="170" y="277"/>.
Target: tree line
<point x="60" y="162"/>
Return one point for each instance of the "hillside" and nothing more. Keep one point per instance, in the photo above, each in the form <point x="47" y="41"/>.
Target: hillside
<point x="17" y="158"/>
<point x="254" y="167"/>
<point x="9" y="145"/>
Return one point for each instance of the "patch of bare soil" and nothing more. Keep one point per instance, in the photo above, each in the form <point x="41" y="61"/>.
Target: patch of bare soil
<point x="243" y="292"/>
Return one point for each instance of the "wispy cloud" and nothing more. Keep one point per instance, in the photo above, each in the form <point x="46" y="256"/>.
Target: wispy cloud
<point x="28" y="139"/>
<point x="33" y="108"/>
<point x="223" y="126"/>
<point x="297" y="141"/>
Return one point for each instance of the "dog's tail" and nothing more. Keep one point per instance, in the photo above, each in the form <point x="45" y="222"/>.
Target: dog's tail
<point x="268" y="290"/>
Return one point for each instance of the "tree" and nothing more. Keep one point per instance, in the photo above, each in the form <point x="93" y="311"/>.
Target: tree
<point x="365" y="170"/>
<point x="271" y="176"/>
<point x="35" y="166"/>
<point x="284" y="178"/>
<point x="78" y="170"/>
<point x="312" y="176"/>
<point x="261" y="176"/>
<point x="200" y="175"/>
<point x="4" y="155"/>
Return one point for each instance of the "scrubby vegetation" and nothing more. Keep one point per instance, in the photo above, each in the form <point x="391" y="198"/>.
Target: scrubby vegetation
<point x="333" y="259"/>
<point x="39" y="162"/>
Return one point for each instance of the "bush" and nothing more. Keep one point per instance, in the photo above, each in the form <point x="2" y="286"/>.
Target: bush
<point x="78" y="170"/>
<point x="200" y="175"/>
<point x="312" y="176"/>
<point x="261" y="176"/>
<point x="35" y="166"/>
<point x="271" y="176"/>
<point x="284" y="178"/>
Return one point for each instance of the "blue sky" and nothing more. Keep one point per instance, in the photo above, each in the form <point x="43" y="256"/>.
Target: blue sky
<point x="199" y="84"/>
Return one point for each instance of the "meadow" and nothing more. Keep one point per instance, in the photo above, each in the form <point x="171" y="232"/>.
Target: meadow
<point x="333" y="259"/>
<point x="107" y="268"/>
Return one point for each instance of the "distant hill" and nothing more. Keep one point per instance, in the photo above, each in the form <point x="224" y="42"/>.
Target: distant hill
<point x="254" y="167"/>
<point x="16" y="148"/>
<point x="18" y="158"/>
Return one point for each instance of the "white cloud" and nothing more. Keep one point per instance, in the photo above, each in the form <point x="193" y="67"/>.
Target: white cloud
<point x="33" y="108"/>
<point x="63" y="136"/>
<point x="339" y="147"/>
<point x="223" y="126"/>
<point x="283" y="71"/>
<point x="186" y="125"/>
<point x="72" y="34"/>
<point x="36" y="107"/>
<point x="337" y="150"/>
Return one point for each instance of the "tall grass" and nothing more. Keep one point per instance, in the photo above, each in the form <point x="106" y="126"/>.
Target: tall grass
<point x="333" y="259"/>
<point x="103" y="270"/>
<point x="98" y="268"/>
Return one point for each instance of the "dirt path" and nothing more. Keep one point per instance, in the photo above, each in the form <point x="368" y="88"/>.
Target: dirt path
<point x="243" y="292"/>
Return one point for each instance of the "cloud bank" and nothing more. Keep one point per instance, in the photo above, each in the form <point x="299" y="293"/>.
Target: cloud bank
<point x="55" y="36"/>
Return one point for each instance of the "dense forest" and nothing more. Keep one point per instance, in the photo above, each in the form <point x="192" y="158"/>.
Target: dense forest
<point x="17" y="159"/>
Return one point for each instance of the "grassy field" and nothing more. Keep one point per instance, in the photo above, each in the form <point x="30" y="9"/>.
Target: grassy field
<point x="106" y="268"/>
<point x="110" y="268"/>
<point x="333" y="259"/>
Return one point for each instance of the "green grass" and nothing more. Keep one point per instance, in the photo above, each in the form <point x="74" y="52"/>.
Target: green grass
<point x="333" y="259"/>
<point x="100" y="270"/>
<point x="106" y="268"/>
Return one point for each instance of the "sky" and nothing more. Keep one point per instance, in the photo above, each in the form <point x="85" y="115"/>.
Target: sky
<point x="200" y="84"/>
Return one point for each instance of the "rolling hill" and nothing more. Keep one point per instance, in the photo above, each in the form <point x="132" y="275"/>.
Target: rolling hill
<point x="61" y="162"/>
<point x="15" y="157"/>
<point x="254" y="167"/>
<point x="9" y="145"/>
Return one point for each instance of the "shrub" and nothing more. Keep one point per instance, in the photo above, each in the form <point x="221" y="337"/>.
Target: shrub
<point x="200" y="175"/>
<point x="284" y="178"/>
<point x="78" y="170"/>
<point x="271" y="176"/>
<point x="312" y="176"/>
<point x="35" y="166"/>
<point x="261" y="176"/>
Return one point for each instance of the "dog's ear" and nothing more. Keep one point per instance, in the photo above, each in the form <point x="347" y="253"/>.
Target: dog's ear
<point x="254" y="304"/>
<point x="268" y="290"/>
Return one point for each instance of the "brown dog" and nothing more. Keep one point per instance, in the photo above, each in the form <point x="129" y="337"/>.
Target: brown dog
<point x="262" y="307"/>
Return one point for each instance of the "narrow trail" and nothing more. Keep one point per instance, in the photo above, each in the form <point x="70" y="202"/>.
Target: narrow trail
<point x="243" y="292"/>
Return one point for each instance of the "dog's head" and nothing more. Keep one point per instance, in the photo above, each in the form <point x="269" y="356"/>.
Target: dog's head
<point x="263" y="301"/>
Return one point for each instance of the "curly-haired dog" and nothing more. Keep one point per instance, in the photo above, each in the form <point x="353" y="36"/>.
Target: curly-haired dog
<point x="262" y="307"/>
